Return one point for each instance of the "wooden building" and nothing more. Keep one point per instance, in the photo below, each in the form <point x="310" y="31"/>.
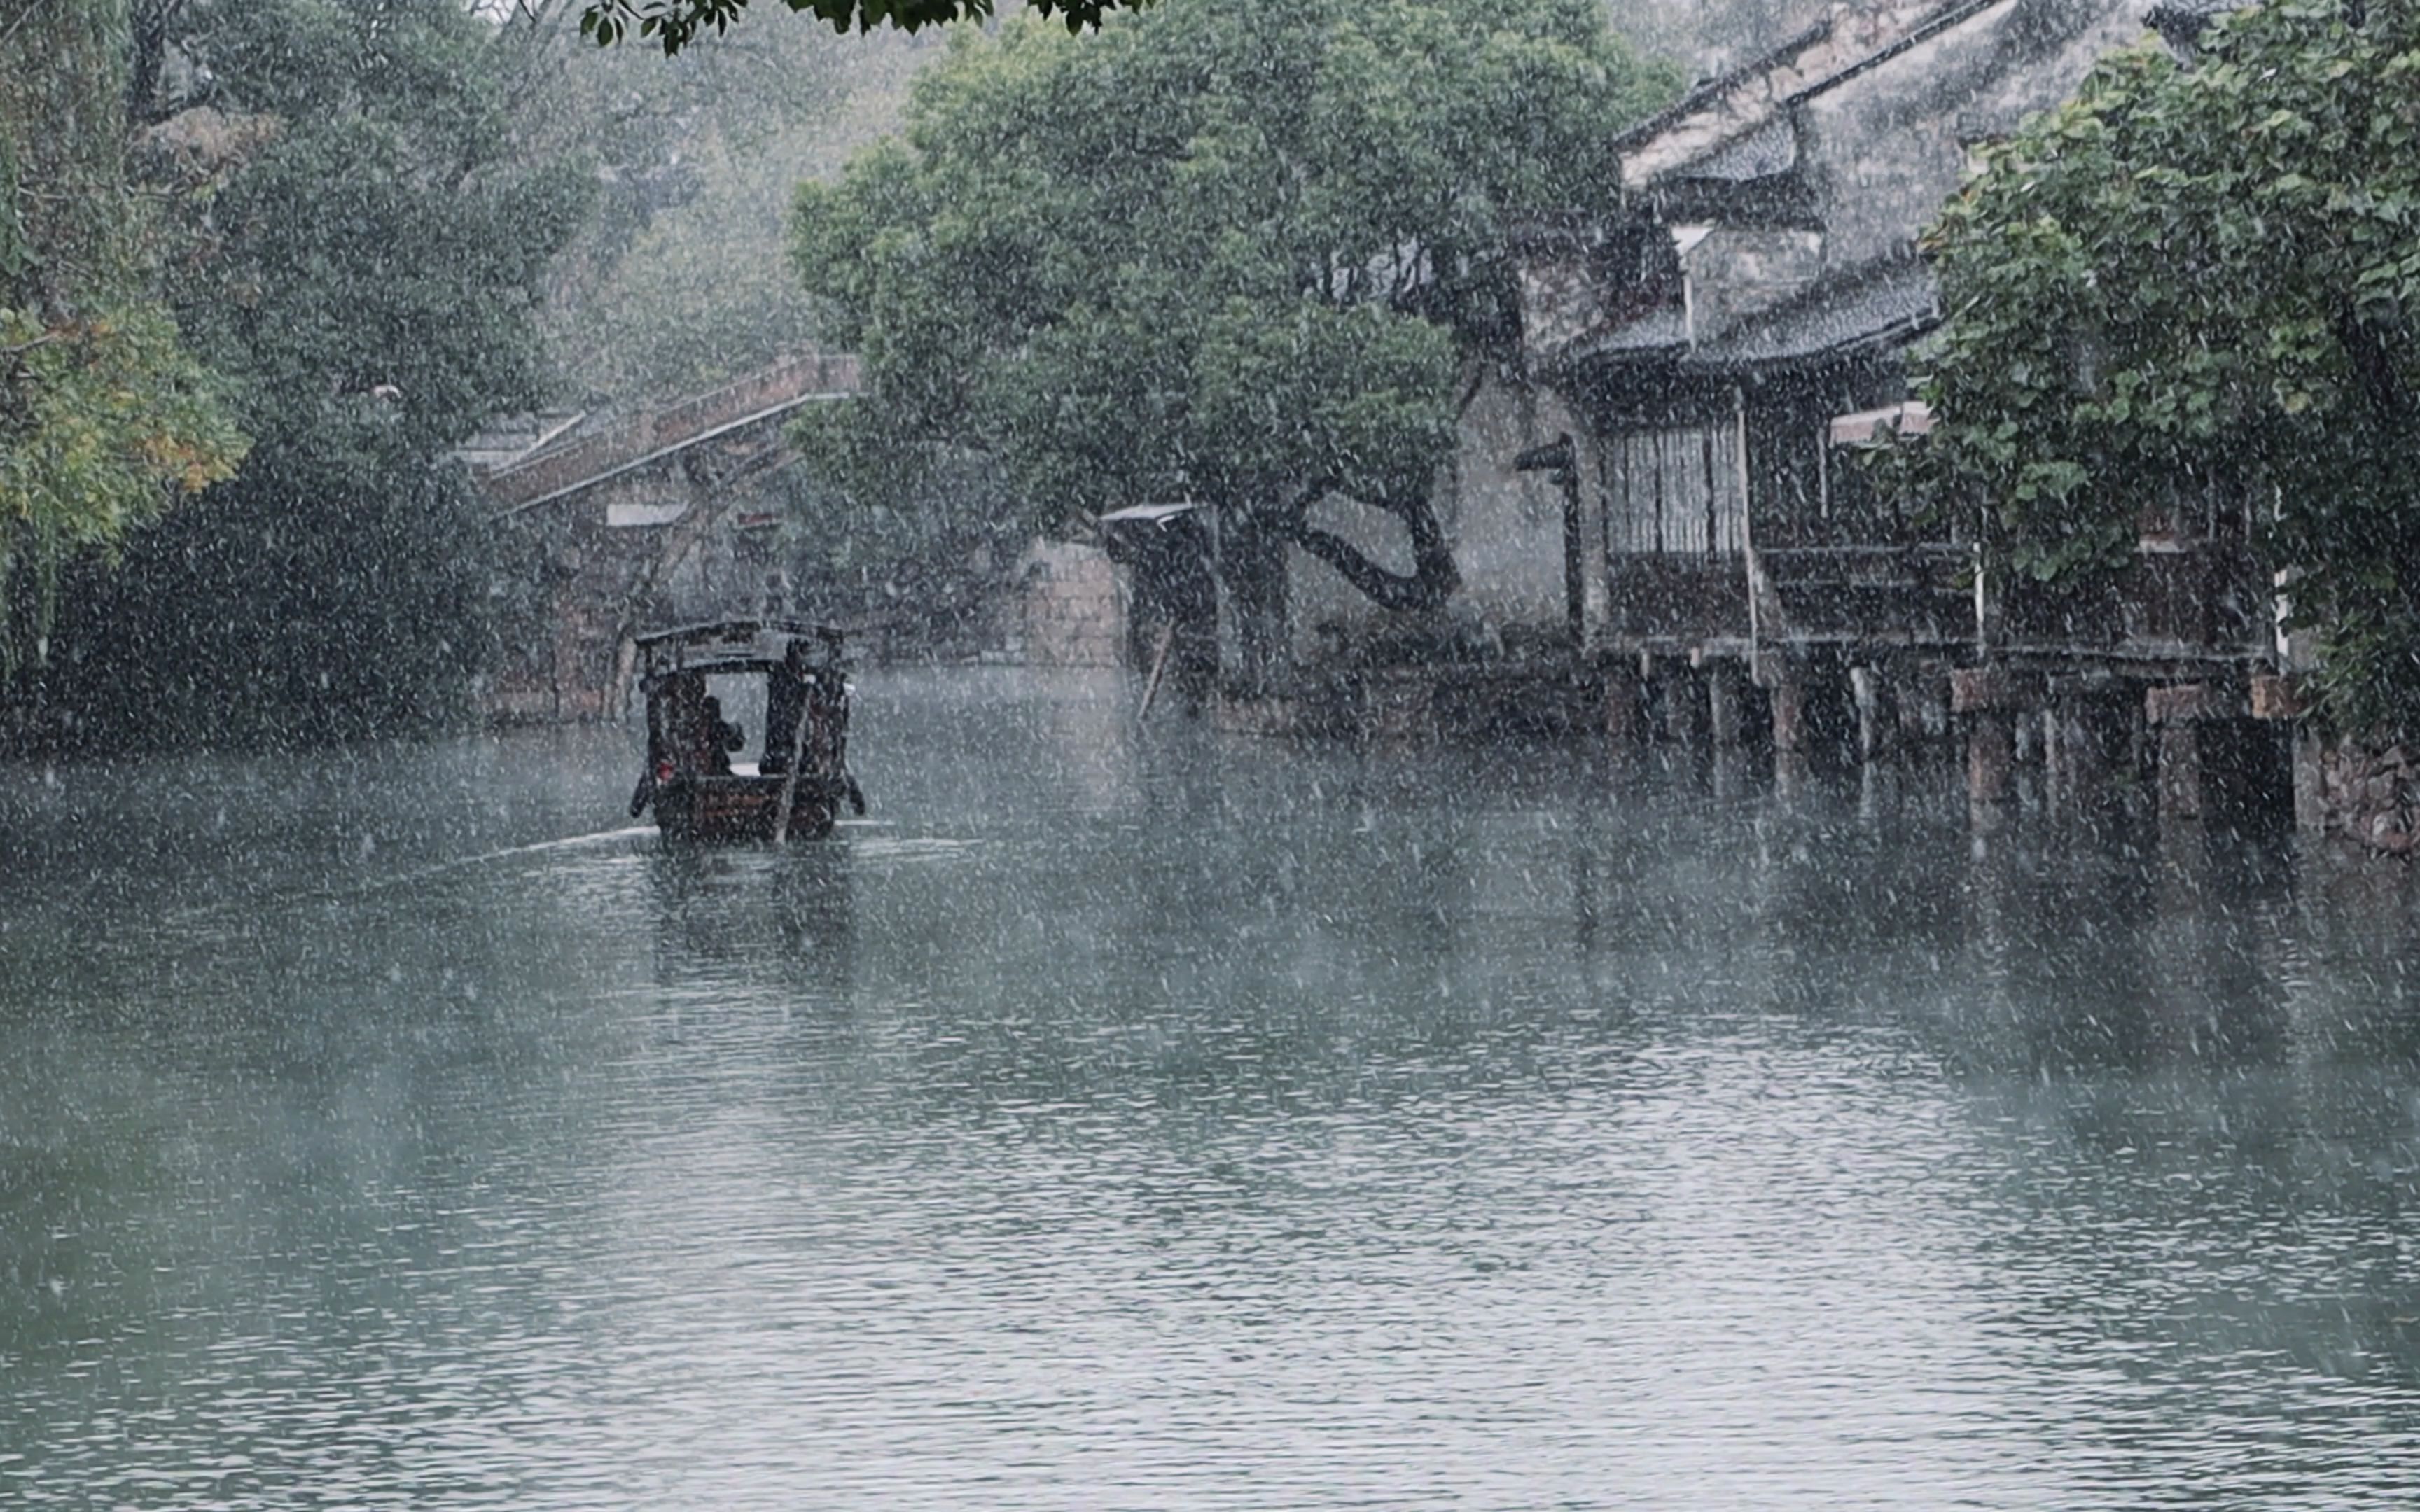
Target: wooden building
<point x="1732" y="339"/>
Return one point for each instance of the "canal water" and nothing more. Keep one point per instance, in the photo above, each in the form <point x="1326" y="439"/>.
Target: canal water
<point x="1155" y="1119"/>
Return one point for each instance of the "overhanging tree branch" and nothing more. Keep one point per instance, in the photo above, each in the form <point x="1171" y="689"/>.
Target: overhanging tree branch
<point x="1431" y="580"/>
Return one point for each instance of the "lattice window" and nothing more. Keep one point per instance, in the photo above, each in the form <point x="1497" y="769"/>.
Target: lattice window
<point x="1676" y="491"/>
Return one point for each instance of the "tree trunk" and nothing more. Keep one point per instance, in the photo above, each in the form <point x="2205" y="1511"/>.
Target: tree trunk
<point x="148" y="58"/>
<point x="2370" y="348"/>
<point x="1252" y="568"/>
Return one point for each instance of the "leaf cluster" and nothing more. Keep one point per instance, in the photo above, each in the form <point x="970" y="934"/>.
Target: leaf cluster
<point x="105" y="416"/>
<point x="104" y="421"/>
<point x="695" y="161"/>
<point x="363" y="280"/>
<point x="2201" y="274"/>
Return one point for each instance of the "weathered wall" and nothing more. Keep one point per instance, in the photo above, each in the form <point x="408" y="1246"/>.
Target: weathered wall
<point x="1883" y="150"/>
<point x="1506" y="527"/>
<point x="1071" y="606"/>
<point x="638" y="549"/>
<point x="663" y="519"/>
<point x="1735" y="273"/>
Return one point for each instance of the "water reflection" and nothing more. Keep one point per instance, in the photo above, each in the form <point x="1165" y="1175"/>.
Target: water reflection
<point x="1131" y="1117"/>
<point x="751" y="917"/>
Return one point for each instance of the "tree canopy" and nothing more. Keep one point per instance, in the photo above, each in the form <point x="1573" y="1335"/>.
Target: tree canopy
<point x="106" y="417"/>
<point x="355" y="250"/>
<point x="2204" y="272"/>
<point x="1240" y="252"/>
<point x="675" y="24"/>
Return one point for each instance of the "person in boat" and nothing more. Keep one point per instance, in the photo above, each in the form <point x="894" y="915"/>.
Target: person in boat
<point x="786" y="695"/>
<point x="722" y="738"/>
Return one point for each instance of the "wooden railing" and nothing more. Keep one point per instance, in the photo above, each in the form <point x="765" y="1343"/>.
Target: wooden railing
<point x="1675" y="596"/>
<point x="1909" y="594"/>
<point x="2203" y="599"/>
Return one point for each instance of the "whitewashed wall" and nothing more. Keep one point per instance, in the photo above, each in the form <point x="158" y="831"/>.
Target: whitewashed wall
<point x="1507" y="530"/>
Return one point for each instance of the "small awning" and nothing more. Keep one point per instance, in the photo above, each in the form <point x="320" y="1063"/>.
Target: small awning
<point x="1867" y="426"/>
<point x="1147" y="513"/>
<point x="638" y="516"/>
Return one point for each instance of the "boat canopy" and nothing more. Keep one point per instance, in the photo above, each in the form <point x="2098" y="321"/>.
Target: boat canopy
<point x="730" y="646"/>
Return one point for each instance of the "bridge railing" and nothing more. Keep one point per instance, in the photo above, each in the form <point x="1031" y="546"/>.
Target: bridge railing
<point x="559" y="469"/>
<point x="814" y="373"/>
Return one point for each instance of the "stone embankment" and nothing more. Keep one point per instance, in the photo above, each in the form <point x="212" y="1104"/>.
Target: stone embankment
<point x="2363" y="793"/>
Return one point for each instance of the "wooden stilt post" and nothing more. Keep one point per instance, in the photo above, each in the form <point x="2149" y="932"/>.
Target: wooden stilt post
<point x="1624" y="730"/>
<point x="1866" y="693"/>
<point x="1725" y="692"/>
<point x="2176" y="713"/>
<point x="1789" y="715"/>
<point x="1986" y="699"/>
<point x="1991" y="754"/>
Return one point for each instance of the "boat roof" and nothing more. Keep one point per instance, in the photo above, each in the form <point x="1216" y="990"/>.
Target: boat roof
<point x="707" y="667"/>
<point x="711" y="632"/>
<point x="730" y="646"/>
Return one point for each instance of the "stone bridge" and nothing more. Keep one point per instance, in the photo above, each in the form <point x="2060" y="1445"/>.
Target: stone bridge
<point x="637" y="514"/>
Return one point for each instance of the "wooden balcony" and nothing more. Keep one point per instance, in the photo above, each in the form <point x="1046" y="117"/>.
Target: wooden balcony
<point x="2200" y="601"/>
<point x="1917" y="594"/>
<point x="1684" y="599"/>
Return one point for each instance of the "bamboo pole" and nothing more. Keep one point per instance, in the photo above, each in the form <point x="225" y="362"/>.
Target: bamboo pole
<point x="1159" y="665"/>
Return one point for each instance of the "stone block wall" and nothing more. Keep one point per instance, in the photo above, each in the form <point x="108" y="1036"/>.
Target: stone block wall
<point x="1071" y="606"/>
<point x="2369" y="794"/>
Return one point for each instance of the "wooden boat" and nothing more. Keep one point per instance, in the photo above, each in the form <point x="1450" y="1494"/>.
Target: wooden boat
<point x="794" y="788"/>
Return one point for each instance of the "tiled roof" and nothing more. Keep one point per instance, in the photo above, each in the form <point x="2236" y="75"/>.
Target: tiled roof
<point x="1875" y="303"/>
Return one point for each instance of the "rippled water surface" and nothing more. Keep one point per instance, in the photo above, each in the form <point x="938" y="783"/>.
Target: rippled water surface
<point x="1172" y="1121"/>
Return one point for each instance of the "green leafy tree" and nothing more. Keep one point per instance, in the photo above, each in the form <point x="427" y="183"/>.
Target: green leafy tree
<point x="364" y="272"/>
<point x="1247" y="253"/>
<point x="2203" y="274"/>
<point x="105" y="416"/>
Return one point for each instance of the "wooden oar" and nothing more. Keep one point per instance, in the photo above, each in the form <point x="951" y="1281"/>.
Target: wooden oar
<point x="1159" y="665"/>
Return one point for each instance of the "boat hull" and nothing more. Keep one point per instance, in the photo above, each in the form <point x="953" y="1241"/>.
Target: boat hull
<point x="744" y="808"/>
